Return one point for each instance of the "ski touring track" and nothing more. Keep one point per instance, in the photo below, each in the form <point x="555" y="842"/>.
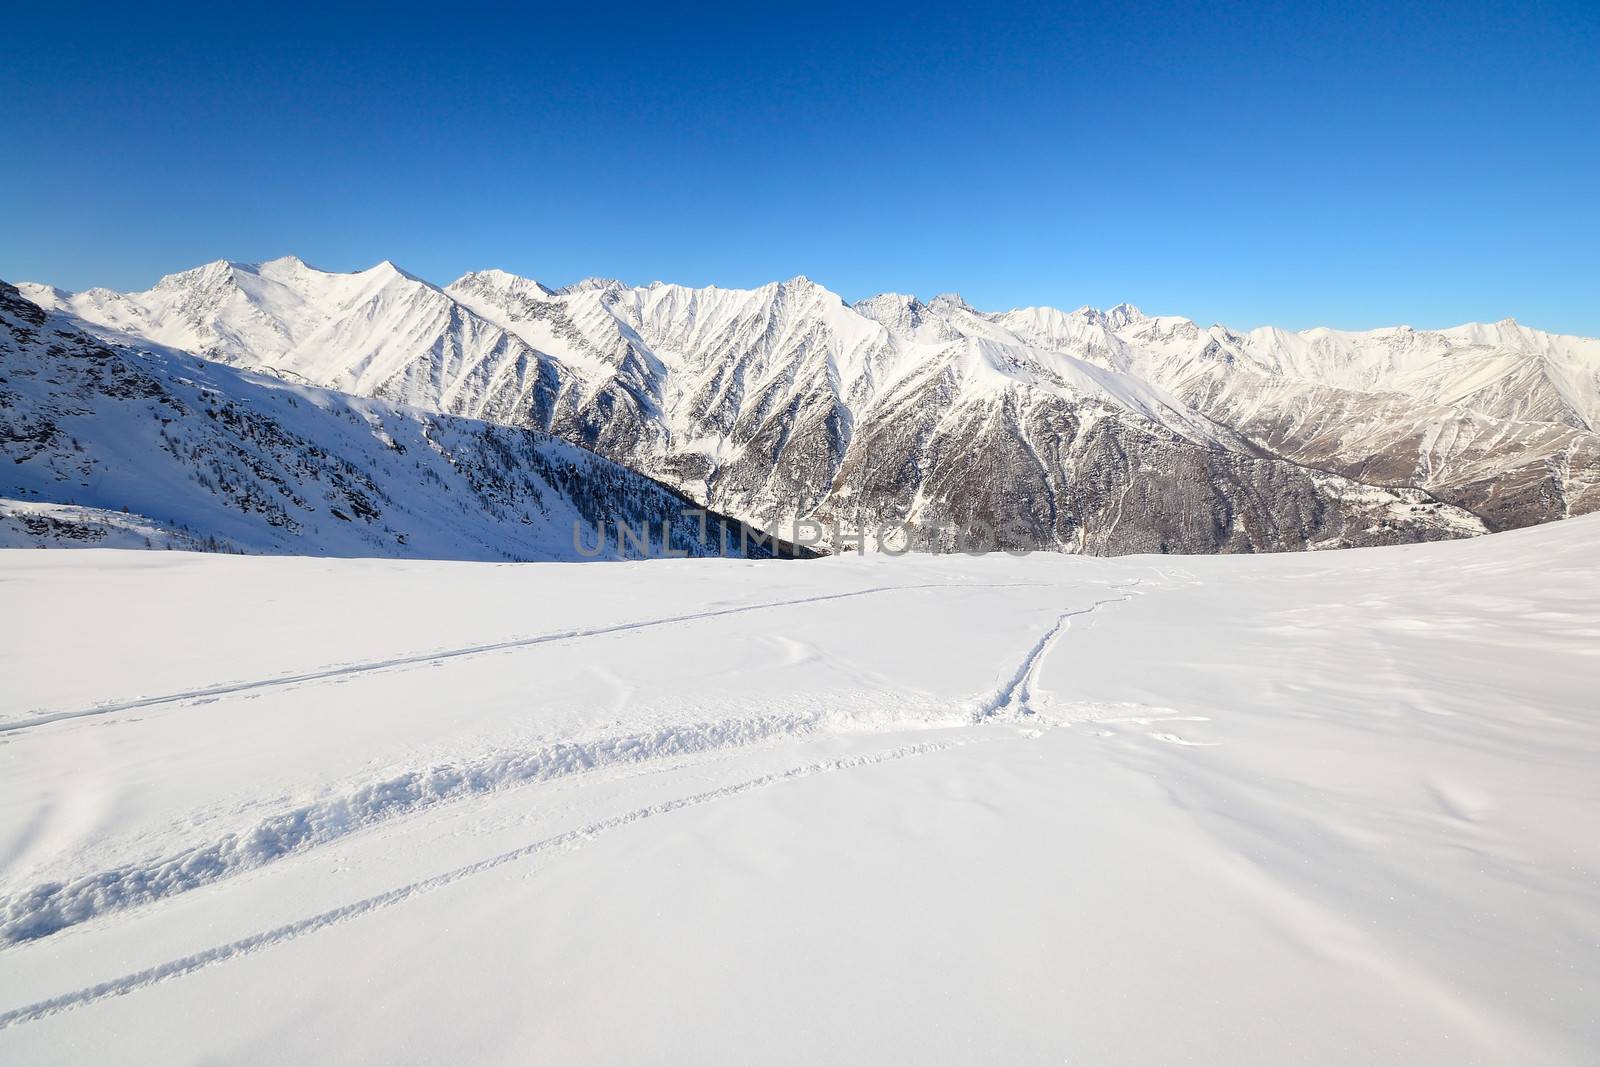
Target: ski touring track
<point x="45" y="908"/>
<point x="48" y="907"/>
<point x="348" y="670"/>
<point x="36" y="913"/>
<point x="1014" y="697"/>
<point x="572" y="839"/>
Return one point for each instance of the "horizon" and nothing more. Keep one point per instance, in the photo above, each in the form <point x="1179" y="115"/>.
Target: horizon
<point x="847" y="299"/>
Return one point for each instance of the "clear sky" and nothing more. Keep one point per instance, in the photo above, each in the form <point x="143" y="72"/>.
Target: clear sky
<point x="1346" y="164"/>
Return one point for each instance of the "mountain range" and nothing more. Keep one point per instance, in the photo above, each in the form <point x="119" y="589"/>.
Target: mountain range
<point x="110" y="448"/>
<point x="930" y="423"/>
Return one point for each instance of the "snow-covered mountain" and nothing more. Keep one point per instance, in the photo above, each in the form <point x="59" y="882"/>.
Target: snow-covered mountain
<point x="1094" y="431"/>
<point x="1499" y="419"/>
<point x="106" y="447"/>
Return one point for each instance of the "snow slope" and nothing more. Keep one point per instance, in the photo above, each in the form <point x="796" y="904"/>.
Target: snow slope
<point x="1323" y="808"/>
<point x="123" y="449"/>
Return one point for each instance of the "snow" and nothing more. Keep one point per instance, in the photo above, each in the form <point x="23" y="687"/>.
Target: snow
<point x="357" y="331"/>
<point x="34" y="523"/>
<point x="128" y="449"/>
<point x="1321" y="808"/>
<point x="696" y="385"/>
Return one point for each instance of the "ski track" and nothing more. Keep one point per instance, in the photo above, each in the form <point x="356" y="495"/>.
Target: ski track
<point x="571" y="839"/>
<point x="350" y="670"/>
<point x="1015" y="695"/>
<point x="48" y="907"/>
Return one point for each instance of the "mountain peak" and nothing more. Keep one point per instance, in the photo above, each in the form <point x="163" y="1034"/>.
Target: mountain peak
<point x="389" y="266"/>
<point x="799" y="284"/>
<point x="36" y="292"/>
<point x="583" y="285"/>
<point x="390" y="272"/>
<point x="803" y="288"/>
<point x="206" y="274"/>
<point x="501" y="280"/>
<point x="888" y="300"/>
<point x="1112" y="318"/>
<point x="1123" y="314"/>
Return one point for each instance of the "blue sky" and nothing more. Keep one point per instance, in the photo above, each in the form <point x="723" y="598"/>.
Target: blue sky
<point x="1351" y="165"/>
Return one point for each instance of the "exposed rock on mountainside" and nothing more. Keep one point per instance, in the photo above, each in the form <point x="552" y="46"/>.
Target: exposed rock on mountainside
<point x="1094" y="431"/>
<point x="110" y="448"/>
